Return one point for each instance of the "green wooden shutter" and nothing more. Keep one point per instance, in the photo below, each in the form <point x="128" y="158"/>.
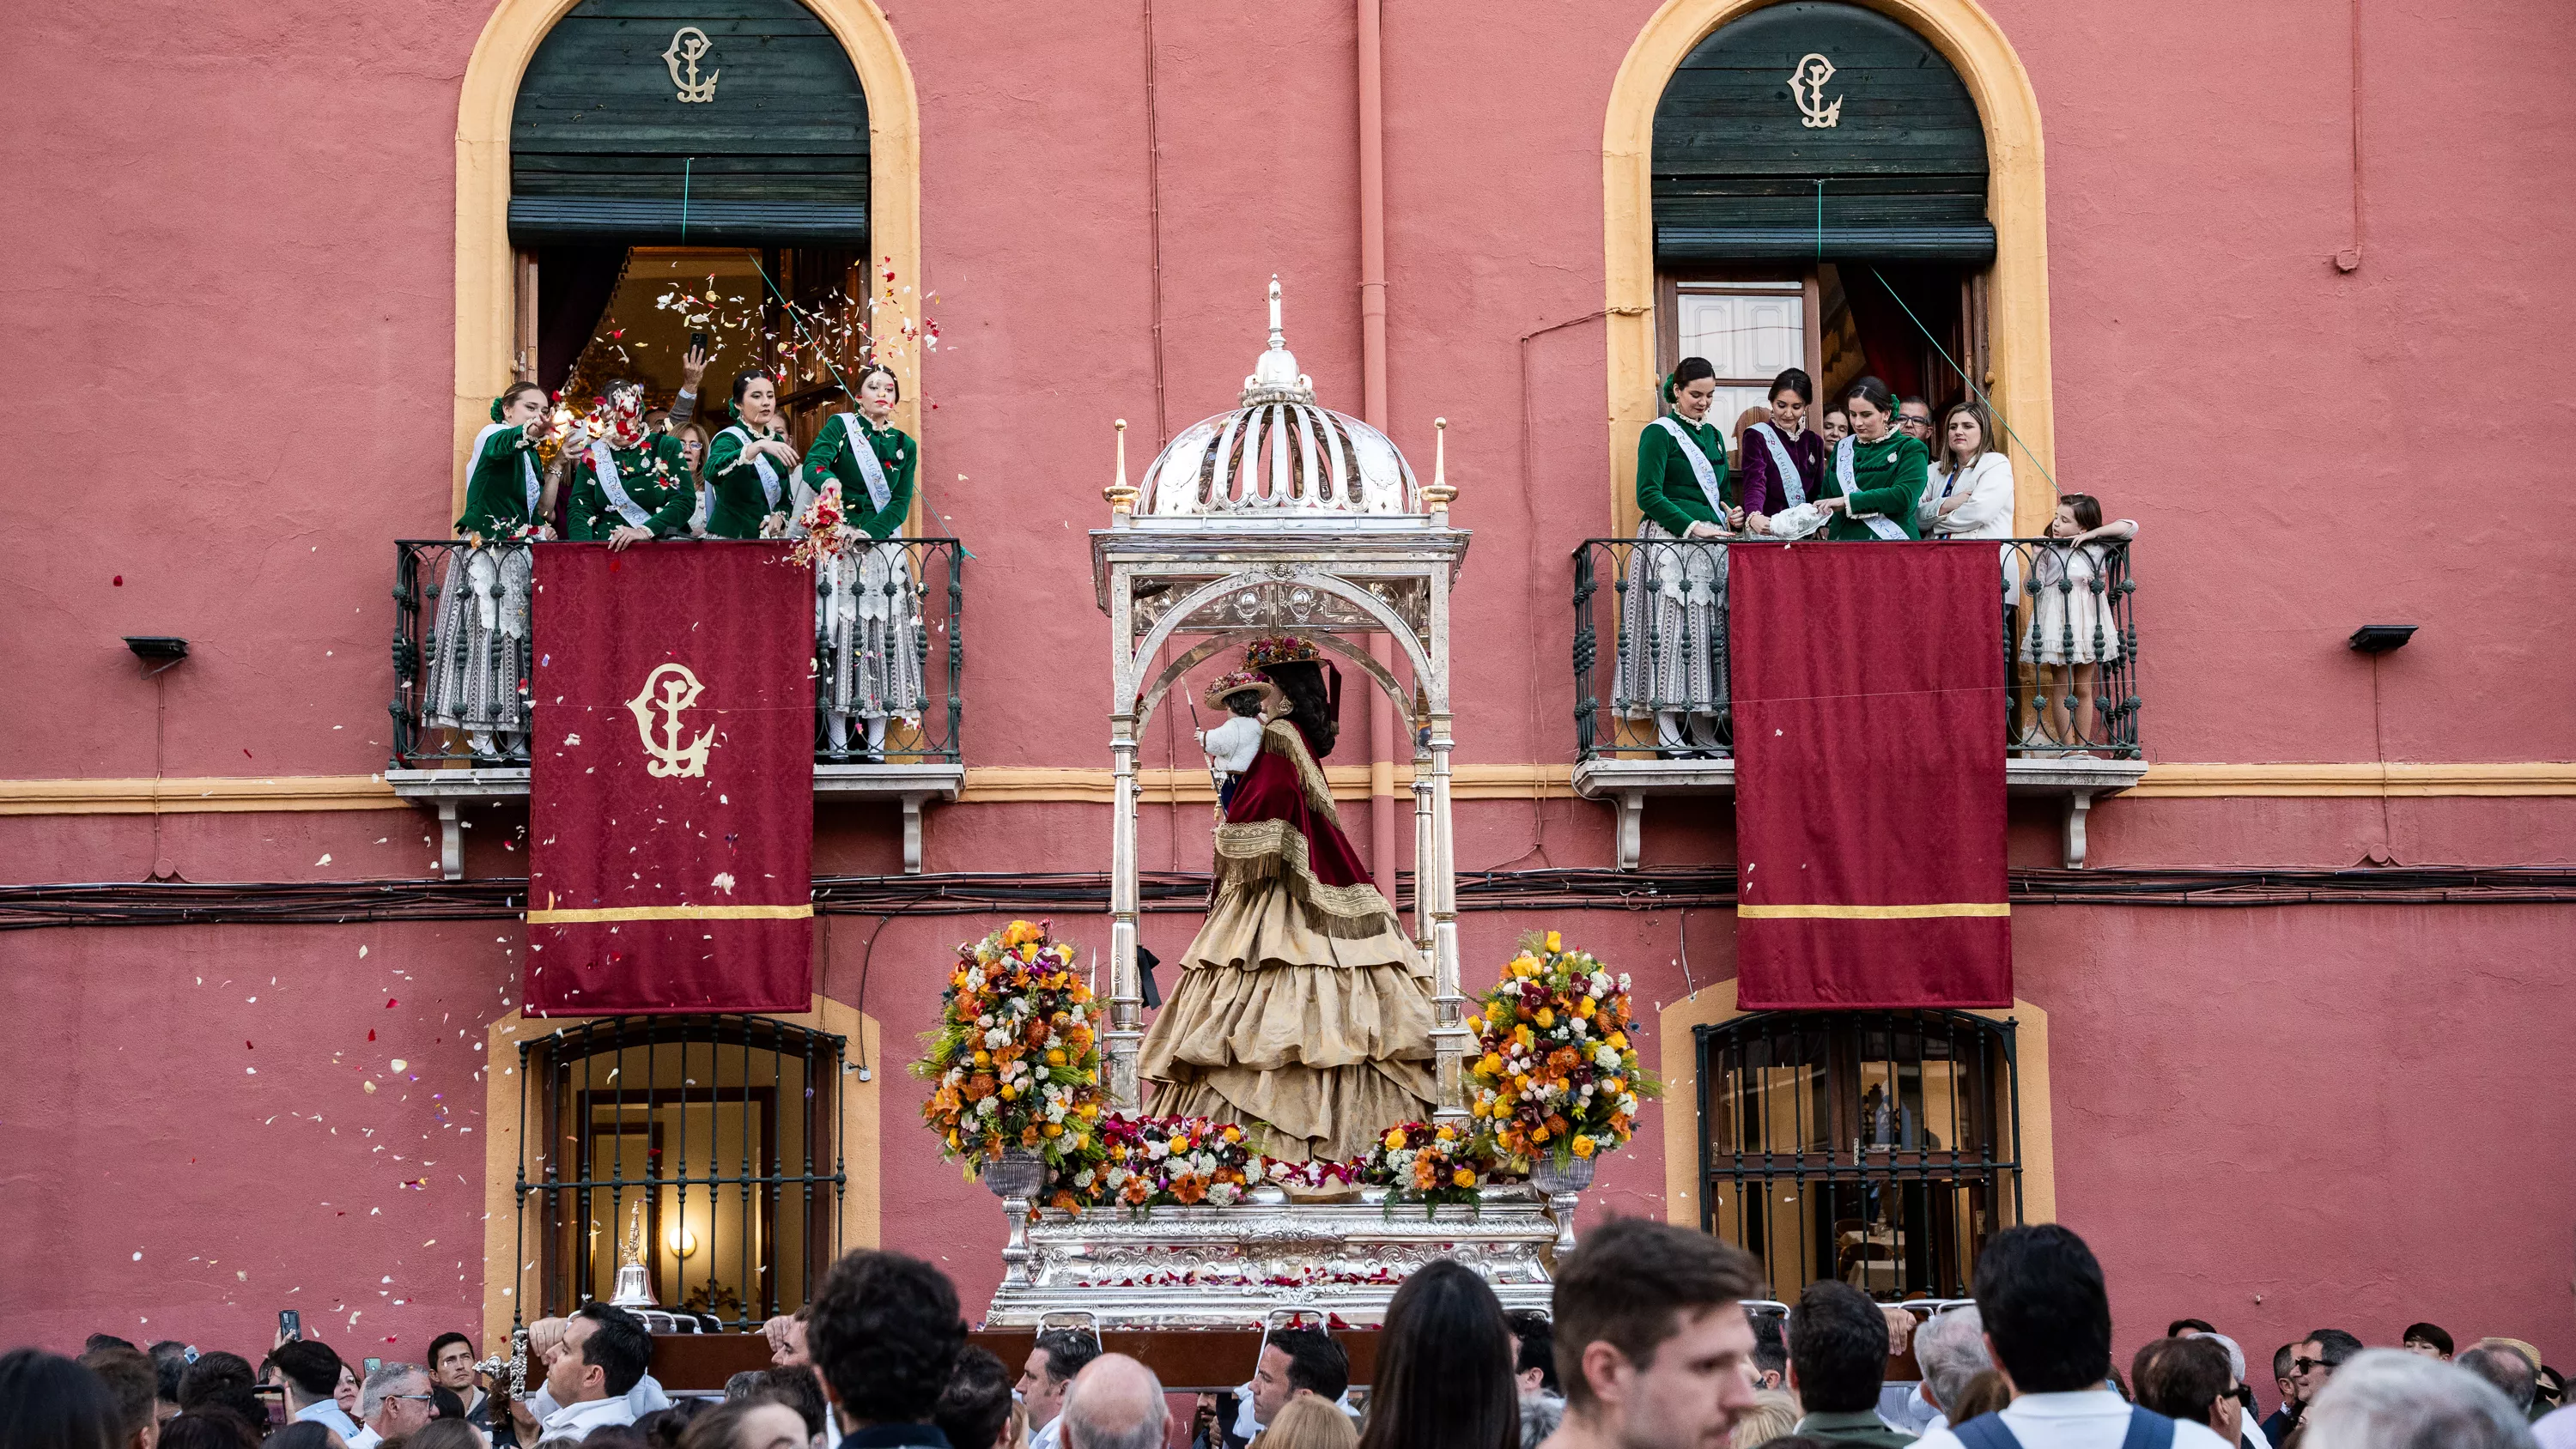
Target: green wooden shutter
<point x="602" y="146"/>
<point x="1737" y="168"/>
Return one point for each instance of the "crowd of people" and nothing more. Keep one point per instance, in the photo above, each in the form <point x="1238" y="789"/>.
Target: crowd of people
<point x="626" y="474"/>
<point x="1656" y="1338"/>
<point x="1878" y="468"/>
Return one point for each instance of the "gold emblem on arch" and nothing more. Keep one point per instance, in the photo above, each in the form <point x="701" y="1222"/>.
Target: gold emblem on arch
<point x="689" y="44"/>
<point x="1807" y="88"/>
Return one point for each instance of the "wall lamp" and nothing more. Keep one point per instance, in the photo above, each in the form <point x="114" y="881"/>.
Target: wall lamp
<point x="167" y="648"/>
<point x="2381" y="638"/>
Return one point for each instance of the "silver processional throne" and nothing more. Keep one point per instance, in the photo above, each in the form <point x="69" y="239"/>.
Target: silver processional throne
<point x="1282" y="516"/>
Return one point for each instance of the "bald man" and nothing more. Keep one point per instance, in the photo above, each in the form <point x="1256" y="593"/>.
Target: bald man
<point x="1115" y="1403"/>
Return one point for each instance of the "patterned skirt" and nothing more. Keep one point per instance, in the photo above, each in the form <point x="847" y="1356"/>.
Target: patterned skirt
<point x="479" y="652"/>
<point x="1672" y="627"/>
<point x="868" y="634"/>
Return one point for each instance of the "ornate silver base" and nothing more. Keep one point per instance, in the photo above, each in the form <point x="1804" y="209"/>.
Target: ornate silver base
<point x="1212" y="1267"/>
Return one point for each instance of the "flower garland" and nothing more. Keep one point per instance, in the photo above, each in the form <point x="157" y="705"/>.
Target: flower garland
<point x="1016" y="1056"/>
<point x="1280" y="649"/>
<point x="1558" y="1074"/>
<point x="1158" y="1161"/>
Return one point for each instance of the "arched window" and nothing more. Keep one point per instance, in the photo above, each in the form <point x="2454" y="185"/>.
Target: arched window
<point x="1820" y="173"/>
<point x="705" y="1148"/>
<point x="1881" y="1148"/>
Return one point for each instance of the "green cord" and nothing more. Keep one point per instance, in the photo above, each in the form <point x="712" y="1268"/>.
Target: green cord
<point x="686" y="163"/>
<point x="1981" y="394"/>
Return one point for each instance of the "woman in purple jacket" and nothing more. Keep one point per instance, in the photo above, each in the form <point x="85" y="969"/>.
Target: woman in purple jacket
<point x="1784" y="460"/>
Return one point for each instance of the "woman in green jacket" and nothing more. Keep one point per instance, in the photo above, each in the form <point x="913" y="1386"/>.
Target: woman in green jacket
<point x="1672" y="629"/>
<point x="1874" y="478"/>
<point x="751" y="466"/>
<point x="478" y="649"/>
<point x="867" y="613"/>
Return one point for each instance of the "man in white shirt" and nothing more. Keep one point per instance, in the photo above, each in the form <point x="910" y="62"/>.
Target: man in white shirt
<point x="2047" y="1318"/>
<point x="393" y="1402"/>
<point x="604" y="1353"/>
<point x="310" y="1374"/>
<point x="1045" y="1377"/>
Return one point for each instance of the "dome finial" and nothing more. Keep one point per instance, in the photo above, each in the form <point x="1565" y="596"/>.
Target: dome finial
<point x="1275" y="377"/>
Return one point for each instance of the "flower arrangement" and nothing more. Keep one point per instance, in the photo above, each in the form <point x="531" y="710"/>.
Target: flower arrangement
<point x="1016" y="1057"/>
<point x="825" y="536"/>
<point x="1154" y="1161"/>
<point x="1279" y="649"/>
<point x="1557" y="1075"/>
<point x="1418" y="1162"/>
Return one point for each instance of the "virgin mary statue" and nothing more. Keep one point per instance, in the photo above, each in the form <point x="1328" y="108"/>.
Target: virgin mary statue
<point x="1301" y="1006"/>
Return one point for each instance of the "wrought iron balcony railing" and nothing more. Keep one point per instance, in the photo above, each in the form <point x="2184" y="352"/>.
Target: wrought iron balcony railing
<point x="437" y="581"/>
<point x="2068" y="626"/>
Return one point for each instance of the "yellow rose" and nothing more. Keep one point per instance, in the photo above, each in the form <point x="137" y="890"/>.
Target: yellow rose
<point x="1479" y="1107"/>
<point x="1538" y="1134"/>
<point x="1546" y="1018"/>
<point x="1583" y="1147"/>
<point x="1588" y="1007"/>
<point x="1394" y="1139"/>
<point x="983" y="1058"/>
<point x="1009" y="1092"/>
<point x="1555" y="943"/>
<point x="1446" y="1134"/>
<point x="1619" y="1041"/>
<point x="1490" y="1065"/>
<point x="1463" y="1177"/>
<point x="1054" y="1129"/>
<point x="1055" y="1056"/>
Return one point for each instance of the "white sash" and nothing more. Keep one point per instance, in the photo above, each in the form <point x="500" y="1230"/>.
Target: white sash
<point x="871" y="471"/>
<point x="1787" y="467"/>
<point x="1878" y="524"/>
<point x="1699" y="464"/>
<point x="771" y="485"/>
<point x="527" y="464"/>
<point x="603" y="464"/>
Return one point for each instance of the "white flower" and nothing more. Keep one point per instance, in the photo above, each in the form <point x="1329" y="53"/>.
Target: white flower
<point x="1083" y="1178"/>
<point x="996" y="1038"/>
<point x="985" y="1020"/>
<point x="1117" y="1177"/>
<point x="1156" y="1151"/>
<point x="1252" y="1170"/>
<point x="989" y="1106"/>
<point x="1606" y="1057"/>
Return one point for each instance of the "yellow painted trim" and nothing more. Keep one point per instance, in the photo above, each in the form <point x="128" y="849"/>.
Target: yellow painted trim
<point x="1003" y="784"/>
<point x="1713" y="1004"/>
<point x="803" y="912"/>
<point x="486" y="290"/>
<point x="1867" y="913"/>
<point x="2016" y="199"/>
<point x="988" y="784"/>
<point x="2402" y="780"/>
<point x="507" y="1274"/>
<point x="197" y="795"/>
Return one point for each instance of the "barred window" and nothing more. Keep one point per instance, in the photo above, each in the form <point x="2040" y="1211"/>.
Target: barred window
<point x="708" y="1146"/>
<point x="1881" y="1148"/>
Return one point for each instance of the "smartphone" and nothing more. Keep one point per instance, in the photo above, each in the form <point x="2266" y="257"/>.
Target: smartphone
<point x="290" y="1324"/>
<point x="272" y="1397"/>
<point x="697" y="342"/>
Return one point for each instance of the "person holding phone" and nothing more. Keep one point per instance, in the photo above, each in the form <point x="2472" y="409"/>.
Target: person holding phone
<point x="867" y="612"/>
<point x="751" y="465"/>
<point x="310" y="1373"/>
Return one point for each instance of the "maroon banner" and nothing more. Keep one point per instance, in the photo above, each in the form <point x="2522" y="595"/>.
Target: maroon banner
<point x="1869" y="775"/>
<point x="671" y="788"/>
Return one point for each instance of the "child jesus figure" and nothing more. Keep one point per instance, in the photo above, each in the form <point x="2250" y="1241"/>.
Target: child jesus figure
<point x="1251" y="700"/>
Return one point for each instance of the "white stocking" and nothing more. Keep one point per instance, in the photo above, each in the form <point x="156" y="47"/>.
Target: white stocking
<point x="1668" y="729"/>
<point x="876" y="735"/>
<point x="837" y="726"/>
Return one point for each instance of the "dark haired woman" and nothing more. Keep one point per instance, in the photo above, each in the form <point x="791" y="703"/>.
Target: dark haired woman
<point x="2073" y="628"/>
<point x="630" y="484"/>
<point x="480" y="639"/>
<point x="867" y="612"/>
<point x="1444" y="1366"/>
<point x="1301" y="1006"/>
<point x="750" y="465"/>
<point x="1784" y="460"/>
<point x="49" y="1402"/>
<point x="1874" y="479"/>
<point x="1672" y="629"/>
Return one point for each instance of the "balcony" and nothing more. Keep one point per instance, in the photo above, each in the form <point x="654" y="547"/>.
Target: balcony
<point x="1621" y="760"/>
<point x="446" y="769"/>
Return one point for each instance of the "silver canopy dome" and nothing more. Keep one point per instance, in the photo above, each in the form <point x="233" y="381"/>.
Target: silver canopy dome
<point x="1278" y="455"/>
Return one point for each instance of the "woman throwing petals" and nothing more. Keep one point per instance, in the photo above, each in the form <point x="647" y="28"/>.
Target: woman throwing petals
<point x="480" y="647"/>
<point x="867" y="615"/>
<point x="751" y="466"/>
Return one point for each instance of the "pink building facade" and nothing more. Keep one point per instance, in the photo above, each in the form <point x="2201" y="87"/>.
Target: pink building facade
<point x="2272" y="281"/>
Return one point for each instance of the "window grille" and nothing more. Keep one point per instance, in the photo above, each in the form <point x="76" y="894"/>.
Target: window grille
<point x="713" y="1142"/>
<point x="1880" y="1148"/>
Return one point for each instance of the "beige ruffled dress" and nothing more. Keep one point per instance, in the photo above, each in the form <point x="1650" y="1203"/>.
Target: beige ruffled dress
<point x="1302" y="1006"/>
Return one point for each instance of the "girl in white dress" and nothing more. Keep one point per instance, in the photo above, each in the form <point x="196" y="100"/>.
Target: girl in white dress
<point x="2073" y="631"/>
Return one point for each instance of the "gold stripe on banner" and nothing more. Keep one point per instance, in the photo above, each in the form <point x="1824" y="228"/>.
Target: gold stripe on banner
<point x="1869" y="913"/>
<point x="671" y="913"/>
